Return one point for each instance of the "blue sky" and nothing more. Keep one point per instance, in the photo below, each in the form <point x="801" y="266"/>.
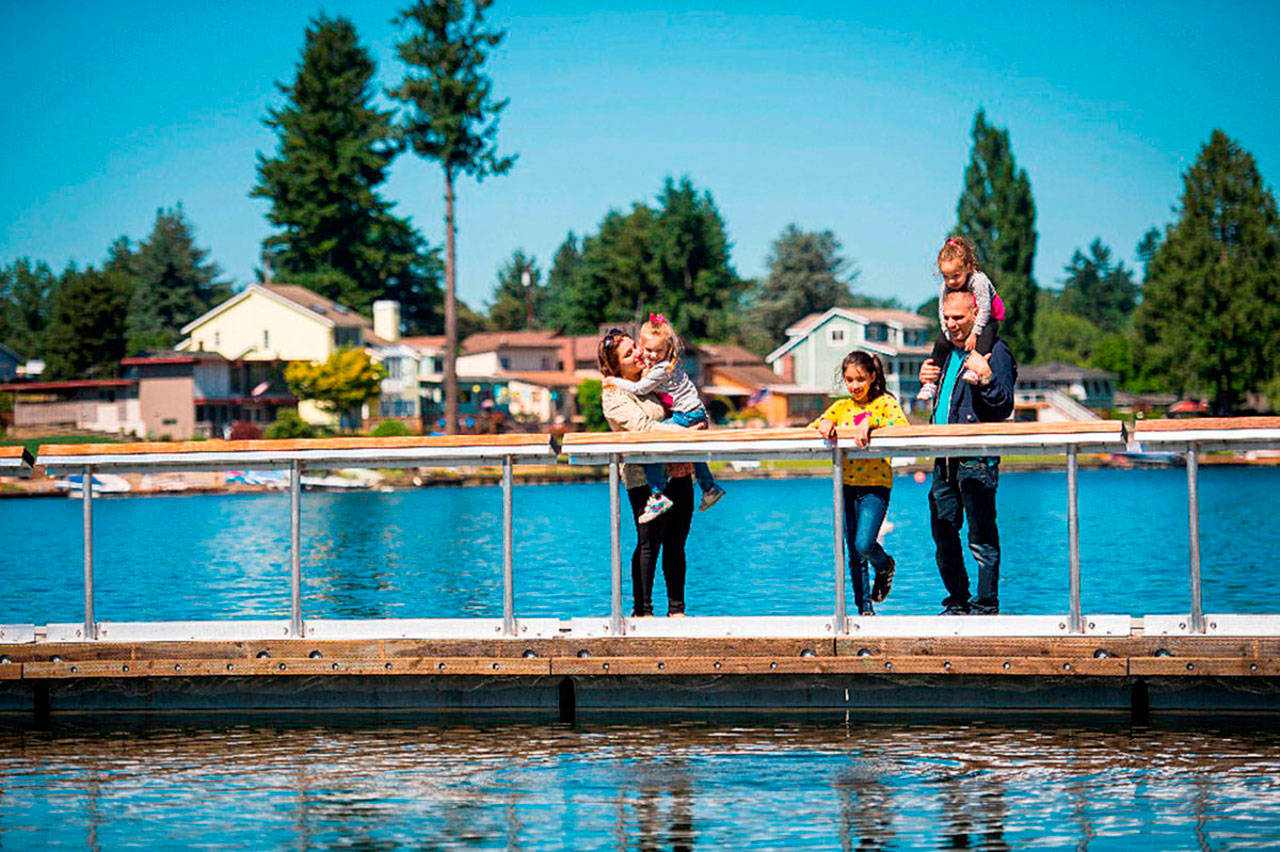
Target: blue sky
<point x="852" y="117"/>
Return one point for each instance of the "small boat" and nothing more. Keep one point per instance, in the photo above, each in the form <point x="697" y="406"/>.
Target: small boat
<point x="103" y="483"/>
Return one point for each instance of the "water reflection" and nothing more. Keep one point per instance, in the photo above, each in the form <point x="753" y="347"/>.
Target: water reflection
<point x="378" y="783"/>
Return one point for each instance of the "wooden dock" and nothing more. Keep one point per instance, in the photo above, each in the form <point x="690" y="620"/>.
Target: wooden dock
<point x="1185" y="663"/>
<point x="1133" y="675"/>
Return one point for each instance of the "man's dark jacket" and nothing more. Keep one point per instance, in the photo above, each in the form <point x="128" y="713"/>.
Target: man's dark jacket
<point x="990" y="403"/>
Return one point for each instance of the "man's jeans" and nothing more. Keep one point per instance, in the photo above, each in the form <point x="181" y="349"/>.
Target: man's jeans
<point x="966" y="489"/>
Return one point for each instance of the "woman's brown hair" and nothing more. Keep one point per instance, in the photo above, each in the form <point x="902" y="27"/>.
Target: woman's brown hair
<point x="607" y="351"/>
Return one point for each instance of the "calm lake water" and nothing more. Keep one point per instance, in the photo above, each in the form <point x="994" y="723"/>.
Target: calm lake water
<point x="383" y="782"/>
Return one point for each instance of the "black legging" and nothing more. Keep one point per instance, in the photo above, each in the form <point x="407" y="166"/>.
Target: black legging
<point x="667" y="533"/>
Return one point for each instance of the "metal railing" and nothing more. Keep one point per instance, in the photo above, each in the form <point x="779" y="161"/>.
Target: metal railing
<point x="1188" y="437"/>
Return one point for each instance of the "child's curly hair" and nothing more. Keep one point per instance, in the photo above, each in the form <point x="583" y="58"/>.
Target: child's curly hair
<point x="658" y="326"/>
<point x="959" y="248"/>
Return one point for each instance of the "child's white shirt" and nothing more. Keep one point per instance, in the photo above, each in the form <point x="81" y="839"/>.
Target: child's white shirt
<point x="671" y="379"/>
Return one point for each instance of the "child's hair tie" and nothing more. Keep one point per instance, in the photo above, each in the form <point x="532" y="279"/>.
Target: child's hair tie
<point x="657" y="319"/>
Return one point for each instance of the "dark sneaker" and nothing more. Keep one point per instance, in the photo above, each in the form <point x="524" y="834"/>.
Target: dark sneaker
<point x="953" y="609"/>
<point x="984" y="609"/>
<point x="710" y="497"/>
<point x="883" y="583"/>
<point x="866" y="610"/>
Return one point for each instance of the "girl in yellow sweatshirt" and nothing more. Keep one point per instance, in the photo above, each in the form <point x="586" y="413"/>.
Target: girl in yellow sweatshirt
<point x="866" y="481"/>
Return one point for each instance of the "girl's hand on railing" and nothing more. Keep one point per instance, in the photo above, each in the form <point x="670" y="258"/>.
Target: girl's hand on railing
<point x="862" y="433"/>
<point x="827" y="429"/>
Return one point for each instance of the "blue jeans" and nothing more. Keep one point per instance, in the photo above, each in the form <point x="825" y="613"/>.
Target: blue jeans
<point x="864" y="510"/>
<point x="655" y="474"/>
<point x="965" y="489"/>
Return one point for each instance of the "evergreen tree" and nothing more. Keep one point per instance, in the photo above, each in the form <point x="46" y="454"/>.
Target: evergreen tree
<point x="562" y="284"/>
<point x="517" y="305"/>
<point x="996" y="211"/>
<point x="1103" y="293"/>
<point x="806" y="275"/>
<point x="337" y="235"/>
<point x="452" y="119"/>
<point x="173" y="282"/>
<point x="1210" y="314"/>
<point x="673" y="259"/>
<point x="85" y="337"/>
<point x="26" y="290"/>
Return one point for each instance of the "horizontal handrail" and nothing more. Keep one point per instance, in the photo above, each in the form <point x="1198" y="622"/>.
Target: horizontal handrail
<point x="956" y="439"/>
<point x="16" y="461"/>
<point x="1208" y="434"/>
<point x="412" y="451"/>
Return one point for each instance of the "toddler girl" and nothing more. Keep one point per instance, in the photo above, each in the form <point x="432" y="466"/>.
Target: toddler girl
<point x="665" y="376"/>
<point x="958" y="266"/>
<point x="866" y="481"/>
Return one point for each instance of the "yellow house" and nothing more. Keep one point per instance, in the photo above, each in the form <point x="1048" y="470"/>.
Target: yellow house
<point x="279" y="322"/>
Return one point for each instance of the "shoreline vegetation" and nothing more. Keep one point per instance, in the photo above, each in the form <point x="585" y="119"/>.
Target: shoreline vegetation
<point x="222" y="482"/>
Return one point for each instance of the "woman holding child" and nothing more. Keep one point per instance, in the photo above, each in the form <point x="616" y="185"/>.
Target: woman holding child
<point x="629" y="406"/>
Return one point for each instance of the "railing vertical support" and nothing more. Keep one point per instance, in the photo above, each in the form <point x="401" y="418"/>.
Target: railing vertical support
<point x="837" y="523"/>
<point x="1075" y="619"/>
<point x="1193" y="528"/>
<point x="90" y="623"/>
<point x="295" y="549"/>
<point x="508" y="557"/>
<point x="615" y="546"/>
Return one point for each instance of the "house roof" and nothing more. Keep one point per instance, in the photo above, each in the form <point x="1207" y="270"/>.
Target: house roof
<point x="424" y="342"/>
<point x="338" y="314"/>
<point x="72" y="384"/>
<point x="727" y="353"/>
<point x="492" y="341"/>
<point x="1058" y="371"/>
<point x="171" y="358"/>
<point x="892" y="316"/>
<point x="295" y="296"/>
<point x="751" y="376"/>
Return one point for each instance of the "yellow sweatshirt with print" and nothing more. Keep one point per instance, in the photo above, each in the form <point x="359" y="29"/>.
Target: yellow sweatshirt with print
<point x="883" y="411"/>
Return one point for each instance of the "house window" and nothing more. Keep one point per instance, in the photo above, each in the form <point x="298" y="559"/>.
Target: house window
<point x="346" y="336"/>
<point x="877" y="332"/>
<point x="835" y="336"/>
<point x="546" y="363"/>
<point x="266" y="339"/>
<point x="217" y="338"/>
<point x="393" y="368"/>
<point x="505" y="362"/>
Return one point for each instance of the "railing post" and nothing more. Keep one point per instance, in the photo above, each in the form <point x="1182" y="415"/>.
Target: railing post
<point x="837" y="523"/>
<point x="90" y="623"/>
<point x="1193" y="528"/>
<point x="615" y="547"/>
<point x="295" y="549"/>
<point x="1074" y="618"/>
<point x="508" y="574"/>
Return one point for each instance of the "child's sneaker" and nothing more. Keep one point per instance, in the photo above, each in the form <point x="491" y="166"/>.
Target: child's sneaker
<point x="710" y="497"/>
<point x="883" y="582"/>
<point x="658" y="503"/>
<point x="927" y="392"/>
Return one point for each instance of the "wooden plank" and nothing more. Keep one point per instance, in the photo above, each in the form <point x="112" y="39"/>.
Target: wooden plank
<point x="958" y="430"/>
<point x="877" y="665"/>
<point x="1196" y="424"/>
<point x="1203" y="667"/>
<point x="294" y="445"/>
<point x="10" y="671"/>
<point x="272" y="667"/>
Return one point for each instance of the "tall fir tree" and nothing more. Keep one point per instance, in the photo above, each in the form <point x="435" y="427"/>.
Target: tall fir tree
<point x="1210" y="315"/>
<point x="806" y="275"/>
<point x="173" y="282"/>
<point x="86" y="337"/>
<point x="517" y="305"/>
<point x="26" y="291"/>
<point x="451" y="118"/>
<point x="337" y="234"/>
<point x="996" y="211"/>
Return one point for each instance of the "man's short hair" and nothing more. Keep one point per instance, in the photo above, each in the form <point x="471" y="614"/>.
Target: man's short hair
<point x="968" y="293"/>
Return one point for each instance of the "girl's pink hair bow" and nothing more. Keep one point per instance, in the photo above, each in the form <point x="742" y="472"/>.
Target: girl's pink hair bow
<point x="657" y="319"/>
